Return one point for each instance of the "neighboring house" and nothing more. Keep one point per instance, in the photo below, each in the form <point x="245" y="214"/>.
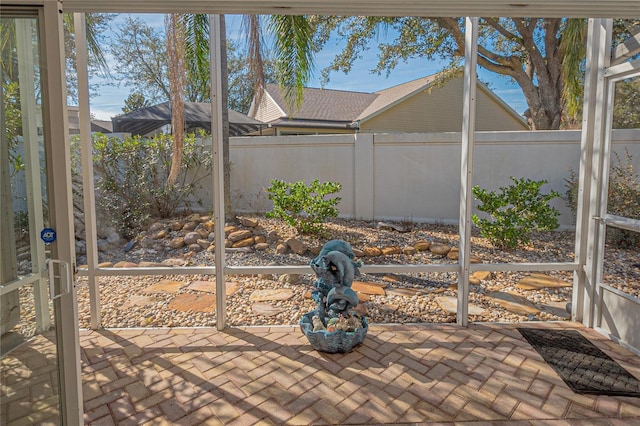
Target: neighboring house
<point x="197" y="115"/>
<point x="421" y="105"/>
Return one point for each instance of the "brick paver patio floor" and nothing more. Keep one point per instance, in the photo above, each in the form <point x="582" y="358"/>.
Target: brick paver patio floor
<point x="414" y="374"/>
<point x="401" y="374"/>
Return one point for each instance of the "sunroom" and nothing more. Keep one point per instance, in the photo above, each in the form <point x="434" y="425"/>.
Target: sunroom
<point x="219" y="365"/>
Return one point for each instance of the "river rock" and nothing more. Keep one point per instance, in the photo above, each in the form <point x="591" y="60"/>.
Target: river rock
<point x="241" y="234"/>
<point x="191" y="238"/>
<point x="297" y="246"/>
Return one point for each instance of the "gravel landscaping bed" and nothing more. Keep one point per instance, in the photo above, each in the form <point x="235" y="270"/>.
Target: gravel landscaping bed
<point x="408" y="298"/>
<point x="272" y="299"/>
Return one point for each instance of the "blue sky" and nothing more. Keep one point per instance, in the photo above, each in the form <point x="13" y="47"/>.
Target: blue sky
<point x="110" y="99"/>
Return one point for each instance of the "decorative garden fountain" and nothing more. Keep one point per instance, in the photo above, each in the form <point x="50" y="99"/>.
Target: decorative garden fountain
<point x="334" y="326"/>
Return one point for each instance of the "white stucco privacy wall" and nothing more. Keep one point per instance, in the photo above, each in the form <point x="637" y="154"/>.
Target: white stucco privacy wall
<point x="408" y="176"/>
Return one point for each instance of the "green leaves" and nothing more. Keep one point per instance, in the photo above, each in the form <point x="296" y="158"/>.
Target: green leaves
<point x="301" y="206"/>
<point x="515" y="212"/>
<point x="131" y="176"/>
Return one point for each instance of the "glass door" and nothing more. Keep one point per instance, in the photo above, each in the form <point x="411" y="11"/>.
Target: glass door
<point x="35" y="284"/>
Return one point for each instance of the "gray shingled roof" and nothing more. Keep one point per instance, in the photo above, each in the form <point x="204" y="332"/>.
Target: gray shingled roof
<point x="326" y="104"/>
<point x="197" y="115"/>
<point x="338" y="108"/>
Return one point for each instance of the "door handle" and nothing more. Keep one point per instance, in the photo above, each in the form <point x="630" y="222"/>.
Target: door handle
<point x="64" y="277"/>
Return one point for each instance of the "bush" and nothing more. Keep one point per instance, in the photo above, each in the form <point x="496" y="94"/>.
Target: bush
<point x="515" y="212"/>
<point x="301" y="206"/>
<point x="623" y="198"/>
<point x="131" y="176"/>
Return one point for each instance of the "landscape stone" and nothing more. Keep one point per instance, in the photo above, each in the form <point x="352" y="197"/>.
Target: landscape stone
<point x="266" y="309"/>
<point x="371" y="251"/>
<point x="453" y="254"/>
<point x="137" y="300"/>
<point x="174" y="262"/>
<point x="191" y="238"/>
<point x="261" y="246"/>
<point x="125" y="264"/>
<point x="248" y="242"/>
<point x="513" y="302"/>
<point x="389" y="251"/>
<point x="290" y="279"/>
<point x="176" y="243"/>
<point x="189" y="226"/>
<point x="175" y="226"/>
<point x="145" y="264"/>
<point x="368" y="288"/>
<point x="163" y="233"/>
<point x="537" y="281"/>
<point x="422" y="245"/>
<point x="155" y="227"/>
<point x="208" y="226"/>
<point x="241" y="234"/>
<point x="409" y="250"/>
<point x="282" y="248"/>
<point x="438" y="248"/>
<point x="229" y="229"/>
<point x="405" y="292"/>
<point x="297" y="246"/>
<point x="271" y="294"/>
<point x="450" y="304"/>
<point x="248" y="222"/>
<point x="164" y="286"/>
<point x="260" y="239"/>
<point x="482" y="275"/>
<point x="193" y="302"/>
<point x="196" y="248"/>
<point x="357" y="252"/>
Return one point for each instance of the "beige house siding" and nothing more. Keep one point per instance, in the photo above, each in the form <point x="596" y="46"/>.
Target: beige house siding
<point x="268" y="110"/>
<point x="440" y="110"/>
<point x="283" y="131"/>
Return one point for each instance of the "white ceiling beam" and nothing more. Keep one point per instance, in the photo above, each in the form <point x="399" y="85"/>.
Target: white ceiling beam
<point x="454" y="8"/>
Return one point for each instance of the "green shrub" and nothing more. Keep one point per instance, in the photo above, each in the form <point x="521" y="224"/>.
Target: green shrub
<point x="515" y="212"/>
<point x="301" y="206"/>
<point x="131" y="178"/>
<point x="623" y="198"/>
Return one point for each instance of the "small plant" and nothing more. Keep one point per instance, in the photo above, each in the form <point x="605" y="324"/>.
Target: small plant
<point x="623" y="198"/>
<point x="515" y="212"/>
<point x="301" y="206"/>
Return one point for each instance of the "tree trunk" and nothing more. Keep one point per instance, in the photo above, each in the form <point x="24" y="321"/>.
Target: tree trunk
<point x="229" y="213"/>
<point x="177" y="75"/>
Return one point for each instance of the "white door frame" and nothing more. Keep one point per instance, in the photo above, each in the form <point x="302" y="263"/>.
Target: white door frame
<point x="55" y="123"/>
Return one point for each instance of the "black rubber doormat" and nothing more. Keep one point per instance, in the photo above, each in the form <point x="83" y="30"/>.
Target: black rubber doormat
<point x="582" y="366"/>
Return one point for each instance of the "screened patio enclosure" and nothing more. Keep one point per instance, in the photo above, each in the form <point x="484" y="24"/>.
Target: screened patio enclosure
<point x="594" y="303"/>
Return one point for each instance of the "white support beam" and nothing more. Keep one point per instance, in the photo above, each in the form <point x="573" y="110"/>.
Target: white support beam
<point x="31" y="144"/>
<point x="588" y="238"/>
<point x="86" y="152"/>
<point x="61" y="208"/>
<point x="218" y="167"/>
<point x="466" y="166"/>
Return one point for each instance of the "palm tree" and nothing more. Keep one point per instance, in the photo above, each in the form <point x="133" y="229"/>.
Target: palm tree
<point x="294" y="54"/>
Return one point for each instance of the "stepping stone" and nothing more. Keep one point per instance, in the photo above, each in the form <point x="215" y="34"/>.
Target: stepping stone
<point x="210" y="286"/>
<point x="368" y="288"/>
<point x="513" y="303"/>
<point x="164" y="286"/>
<point x="193" y="302"/>
<point x="406" y="292"/>
<point x="266" y="309"/>
<point x="558" y="309"/>
<point x="537" y="281"/>
<point x="449" y="304"/>
<point x="276" y="294"/>
<point x="203" y="286"/>
<point x="125" y="264"/>
<point x="138" y="301"/>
